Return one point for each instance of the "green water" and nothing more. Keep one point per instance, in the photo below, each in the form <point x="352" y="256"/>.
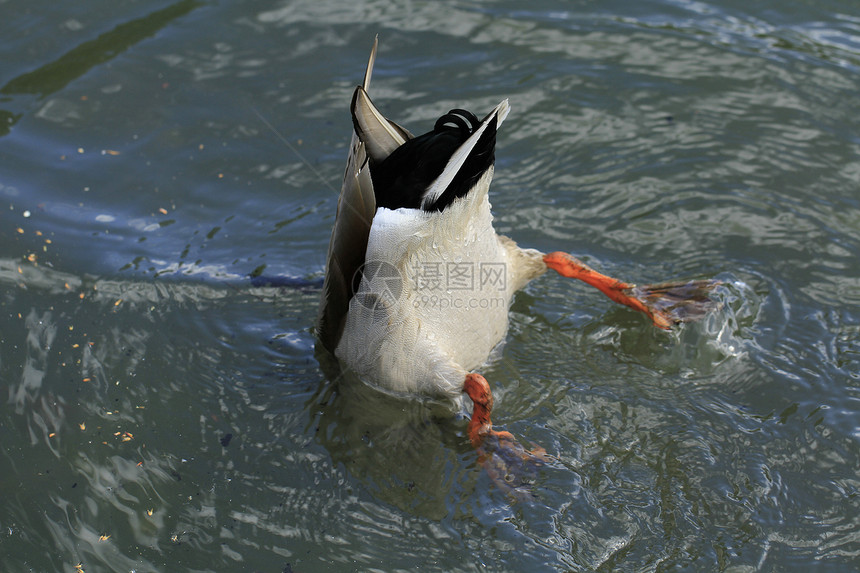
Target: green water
<point x="161" y="413"/>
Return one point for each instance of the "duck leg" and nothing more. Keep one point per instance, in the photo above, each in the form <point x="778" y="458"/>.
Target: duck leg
<point x="666" y="304"/>
<point x="511" y="467"/>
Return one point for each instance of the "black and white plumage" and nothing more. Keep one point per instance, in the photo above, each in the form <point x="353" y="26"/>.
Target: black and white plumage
<point x="412" y="205"/>
<point x="409" y="204"/>
<point x="405" y="178"/>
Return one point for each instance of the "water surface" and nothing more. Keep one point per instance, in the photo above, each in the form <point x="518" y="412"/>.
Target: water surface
<point x="162" y="413"/>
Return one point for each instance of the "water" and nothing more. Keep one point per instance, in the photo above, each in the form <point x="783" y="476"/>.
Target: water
<point x="160" y="413"/>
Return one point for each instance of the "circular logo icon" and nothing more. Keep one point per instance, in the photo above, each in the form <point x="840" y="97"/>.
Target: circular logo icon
<point x="377" y="284"/>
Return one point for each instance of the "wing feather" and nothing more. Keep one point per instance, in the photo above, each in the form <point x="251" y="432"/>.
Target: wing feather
<point x="374" y="137"/>
<point x="355" y="210"/>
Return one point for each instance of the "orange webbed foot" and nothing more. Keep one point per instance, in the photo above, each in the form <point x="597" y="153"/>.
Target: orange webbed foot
<point x="666" y="304"/>
<point x="511" y="467"/>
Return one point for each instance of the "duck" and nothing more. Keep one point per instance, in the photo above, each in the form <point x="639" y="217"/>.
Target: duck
<point x="418" y="283"/>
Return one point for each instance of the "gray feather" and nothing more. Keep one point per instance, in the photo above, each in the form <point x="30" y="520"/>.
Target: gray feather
<point x="375" y="137"/>
<point x="381" y="135"/>
<point x="348" y="245"/>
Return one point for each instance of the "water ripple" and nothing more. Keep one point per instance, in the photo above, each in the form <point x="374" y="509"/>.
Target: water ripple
<point x="163" y="412"/>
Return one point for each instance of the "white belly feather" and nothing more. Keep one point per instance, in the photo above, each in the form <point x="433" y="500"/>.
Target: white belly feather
<point x="434" y="298"/>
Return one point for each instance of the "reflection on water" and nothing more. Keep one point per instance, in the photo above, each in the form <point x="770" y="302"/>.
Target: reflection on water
<point x="365" y="430"/>
<point x="163" y="412"/>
